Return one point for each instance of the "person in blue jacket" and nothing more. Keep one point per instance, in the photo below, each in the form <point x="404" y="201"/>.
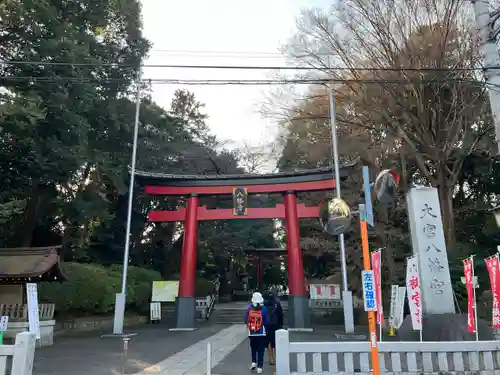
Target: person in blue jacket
<point x="256" y="320"/>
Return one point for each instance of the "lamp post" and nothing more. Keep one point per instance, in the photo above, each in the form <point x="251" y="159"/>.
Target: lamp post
<point x="120" y="298"/>
<point x="346" y="294"/>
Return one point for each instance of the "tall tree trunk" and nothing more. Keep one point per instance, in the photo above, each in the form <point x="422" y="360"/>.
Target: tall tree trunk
<point x="391" y="264"/>
<point x="446" y="202"/>
<point x="72" y="226"/>
<point x="30" y="217"/>
<point x="387" y="251"/>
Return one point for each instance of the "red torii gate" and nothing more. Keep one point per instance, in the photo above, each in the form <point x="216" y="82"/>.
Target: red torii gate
<point x="257" y="255"/>
<point x="286" y="183"/>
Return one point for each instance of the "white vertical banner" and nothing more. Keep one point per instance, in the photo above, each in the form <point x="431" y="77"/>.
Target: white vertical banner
<point x="400" y="307"/>
<point x="393" y="306"/>
<point x="33" y="318"/>
<point x="414" y="293"/>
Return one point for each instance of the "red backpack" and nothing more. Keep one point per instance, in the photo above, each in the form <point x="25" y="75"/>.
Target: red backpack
<point x="254" y="320"/>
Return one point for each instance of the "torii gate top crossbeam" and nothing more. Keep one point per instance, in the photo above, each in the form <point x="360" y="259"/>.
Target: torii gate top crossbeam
<point x="173" y="184"/>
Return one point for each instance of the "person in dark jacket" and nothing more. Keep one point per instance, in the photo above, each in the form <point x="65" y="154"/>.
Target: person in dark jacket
<point x="275" y="322"/>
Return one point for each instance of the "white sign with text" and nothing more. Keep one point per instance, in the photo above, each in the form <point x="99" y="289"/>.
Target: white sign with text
<point x="369" y="293"/>
<point x="33" y="318"/>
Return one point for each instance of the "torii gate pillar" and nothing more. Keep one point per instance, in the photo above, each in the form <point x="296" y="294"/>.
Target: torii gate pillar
<point x="185" y="308"/>
<point x="298" y="301"/>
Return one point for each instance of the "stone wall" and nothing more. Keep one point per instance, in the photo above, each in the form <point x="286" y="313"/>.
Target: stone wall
<point x="88" y="324"/>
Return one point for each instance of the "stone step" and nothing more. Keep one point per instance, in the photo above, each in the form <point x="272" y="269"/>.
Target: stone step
<point x="218" y="316"/>
<point x="232" y="316"/>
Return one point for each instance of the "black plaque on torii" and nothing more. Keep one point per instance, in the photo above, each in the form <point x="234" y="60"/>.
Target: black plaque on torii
<point x="240" y="201"/>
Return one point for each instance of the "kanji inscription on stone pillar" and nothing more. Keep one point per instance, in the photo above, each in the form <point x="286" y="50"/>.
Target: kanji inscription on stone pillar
<point x="427" y="236"/>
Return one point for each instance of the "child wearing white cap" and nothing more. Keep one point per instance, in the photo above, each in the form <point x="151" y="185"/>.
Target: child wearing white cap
<point x="256" y="319"/>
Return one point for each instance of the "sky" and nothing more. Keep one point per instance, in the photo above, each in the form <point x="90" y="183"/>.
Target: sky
<point x="221" y="32"/>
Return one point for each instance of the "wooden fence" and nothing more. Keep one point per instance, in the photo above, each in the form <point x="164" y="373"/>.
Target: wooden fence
<point x="396" y="358"/>
<point x="18" y="359"/>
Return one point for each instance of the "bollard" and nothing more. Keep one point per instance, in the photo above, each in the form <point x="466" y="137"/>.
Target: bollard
<point x="209" y="359"/>
<point x="125" y="355"/>
<point x="392" y="331"/>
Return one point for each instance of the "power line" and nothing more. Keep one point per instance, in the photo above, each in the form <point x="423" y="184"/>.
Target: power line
<point x="235" y="54"/>
<point x="219" y="52"/>
<point x="210" y="53"/>
<point x="241" y="82"/>
<point x="234" y="67"/>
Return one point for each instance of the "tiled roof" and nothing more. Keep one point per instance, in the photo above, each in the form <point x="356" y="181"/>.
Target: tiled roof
<point x="30" y="262"/>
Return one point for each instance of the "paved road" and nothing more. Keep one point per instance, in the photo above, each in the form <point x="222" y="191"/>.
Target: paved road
<point x="155" y="350"/>
<point x="238" y="361"/>
<point x="91" y="355"/>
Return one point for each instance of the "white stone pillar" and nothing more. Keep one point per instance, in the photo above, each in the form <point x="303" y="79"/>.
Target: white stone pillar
<point x="428" y="243"/>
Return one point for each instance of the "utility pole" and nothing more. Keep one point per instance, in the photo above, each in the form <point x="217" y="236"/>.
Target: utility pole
<point x="488" y="33"/>
<point x="346" y="294"/>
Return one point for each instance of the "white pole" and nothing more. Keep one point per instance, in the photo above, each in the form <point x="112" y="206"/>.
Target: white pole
<point x="347" y="298"/>
<point x="488" y="34"/>
<point x="474" y="296"/>
<point x="209" y="359"/>
<point x="120" y="302"/>
<point x="337" y="186"/>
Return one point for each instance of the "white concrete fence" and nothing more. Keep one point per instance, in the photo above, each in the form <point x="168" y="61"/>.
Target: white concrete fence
<point x="203" y="308"/>
<point x="21" y="354"/>
<point x="204" y="305"/>
<point x="395" y="358"/>
<point x="18" y="321"/>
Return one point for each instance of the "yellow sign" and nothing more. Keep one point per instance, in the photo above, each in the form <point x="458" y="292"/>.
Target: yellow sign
<point x="165" y="291"/>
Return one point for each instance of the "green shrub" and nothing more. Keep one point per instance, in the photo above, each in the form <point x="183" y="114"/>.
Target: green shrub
<point x="139" y="286"/>
<point x="90" y="289"/>
<point x="137" y="275"/>
<point x="204" y="287"/>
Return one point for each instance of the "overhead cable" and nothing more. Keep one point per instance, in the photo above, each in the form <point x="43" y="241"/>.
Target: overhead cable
<point x="202" y="82"/>
<point x="231" y="67"/>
